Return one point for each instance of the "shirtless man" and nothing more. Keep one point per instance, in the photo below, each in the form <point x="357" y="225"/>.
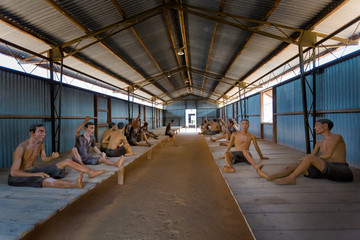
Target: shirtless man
<point x="242" y="140"/>
<point x="149" y="134"/>
<point x="80" y="153"/>
<point x="137" y="135"/>
<point x="112" y="127"/>
<point x="214" y="128"/>
<point x="330" y="164"/>
<point x="229" y="130"/>
<point x="23" y="173"/>
<point x="117" y="143"/>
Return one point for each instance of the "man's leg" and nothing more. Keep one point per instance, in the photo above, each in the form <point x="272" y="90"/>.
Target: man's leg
<point x="75" y="155"/>
<point x="229" y="168"/>
<point x="143" y="136"/>
<point x="79" y="167"/>
<point x="108" y="162"/>
<point x="51" y="182"/>
<point x="309" y="160"/>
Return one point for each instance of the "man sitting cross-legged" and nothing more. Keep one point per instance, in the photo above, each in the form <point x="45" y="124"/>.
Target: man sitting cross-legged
<point x="242" y="140"/>
<point x="23" y="172"/>
<point x="330" y="164"/>
<point x="136" y="135"/>
<point x="148" y="133"/>
<point x="80" y="153"/>
<point x="117" y="143"/>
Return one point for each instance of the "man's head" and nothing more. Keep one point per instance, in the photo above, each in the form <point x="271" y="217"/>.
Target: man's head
<point x="38" y="131"/>
<point x="146" y="124"/>
<point x="130" y="120"/>
<point x="120" y="125"/>
<point x="244" y="124"/>
<point x="322" y="125"/>
<point x="214" y="120"/>
<point x="89" y="127"/>
<point x="230" y="123"/>
<point x="111" y="125"/>
<point x="172" y="121"/>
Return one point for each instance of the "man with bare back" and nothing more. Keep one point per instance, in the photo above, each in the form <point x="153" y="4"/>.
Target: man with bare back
<point x="327" y="160"/>
<point x="103" y="146"/>
<point x="80" y="153"/>
<point x="117" y="143"/>
<point x="215" y="128"/>
<point x="242" y="140"/>
<point x="24" y="174"/>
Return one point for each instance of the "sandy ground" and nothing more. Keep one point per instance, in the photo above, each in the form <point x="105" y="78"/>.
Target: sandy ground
<point x="178" y="194"/>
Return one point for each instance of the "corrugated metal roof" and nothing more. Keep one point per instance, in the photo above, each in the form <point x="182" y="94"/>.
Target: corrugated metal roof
<point x="147" y="47"/>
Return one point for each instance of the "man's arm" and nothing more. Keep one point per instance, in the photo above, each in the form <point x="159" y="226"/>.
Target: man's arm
<point x="44" y="158"/>
<point x="15" y="170"/>
<point x="78" y="130"/>
<point x="257" y="148"/>
<point x="102" y="154"/>
<point x="232" y="139"/>
<point x="222" y="123"/>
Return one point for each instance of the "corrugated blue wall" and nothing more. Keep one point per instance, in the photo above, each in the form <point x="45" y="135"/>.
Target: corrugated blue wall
<point x="29" y="96"/>
<point x="22" y="94"/>
<point x="268" y="132"/>
<point x="253" y="112"/>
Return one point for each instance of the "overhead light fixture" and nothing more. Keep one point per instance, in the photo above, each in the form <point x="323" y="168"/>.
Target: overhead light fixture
<point x="180" y="52"/>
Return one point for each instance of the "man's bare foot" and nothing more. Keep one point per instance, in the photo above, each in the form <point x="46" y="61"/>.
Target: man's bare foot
<point x="222" y="157"/>
<point x="259" y="167"/>
<point x="211" y="139"/>
<point x="263" y="175"/>
<point x="120" y="162"/>
<point x="228" y="169"/>
<point x="285" y="181"/>
<point x="79" y="181"/>
<point x="223" y="144"/>
<point x="130" y="154"/>
<point x="94" y="173"/>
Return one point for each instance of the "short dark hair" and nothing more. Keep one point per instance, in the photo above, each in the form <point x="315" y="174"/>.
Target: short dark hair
<point x="146" y="123"/>
<point x="214" y="120"/>
<point x="34" y="126"/>
<point x="172" y="120"/>
<point x="231" y="121"/>
<point x="111" y="124"/>
<point x="327" y="121"/>
<point x="120" y="125"/>
<point x="89" y="124"/>
<point x="130" y="119"/>
<point x="244" y="120"/>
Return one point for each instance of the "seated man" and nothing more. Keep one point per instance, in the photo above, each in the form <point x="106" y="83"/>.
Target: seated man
<point x="330" y="164"/>
<point x="112" y="127"/>
<point x="149" y="134"/>
<point x="169" y="132"/>
<point x="137" y="135"/>
<point x="214" y="128"/>
<point x="242" y="140"/>
<point x="80" y="153"/>
<point x="117" y="143"/>
<point x="24" y="174"/>
<point x="230" y="129"/>
<point x="128" y="127"/>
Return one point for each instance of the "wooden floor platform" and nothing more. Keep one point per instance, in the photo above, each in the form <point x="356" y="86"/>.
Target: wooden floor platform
<point x="312" y="209"/>
<point x="23" y="208"/>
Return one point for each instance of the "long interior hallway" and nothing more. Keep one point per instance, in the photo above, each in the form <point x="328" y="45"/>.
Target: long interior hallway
<point x="178" y="194"/>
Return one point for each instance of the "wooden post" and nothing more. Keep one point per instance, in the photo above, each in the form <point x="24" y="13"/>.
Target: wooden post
<point x="121" y="176"/>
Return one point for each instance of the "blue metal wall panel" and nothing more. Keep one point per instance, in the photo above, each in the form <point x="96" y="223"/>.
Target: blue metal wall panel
<point x="268" y="131"/>
<point x="290" y="131"/>
<point x="102" y="103"/>
<point x="23" y="95"/>
<point x="190" y="104"/>
<point x="76" y="103"/>
<point x="119" y="108"/>
<point x="229" y="111"/>
<point x="253" y="105"/>
<point x="338" y="86"/>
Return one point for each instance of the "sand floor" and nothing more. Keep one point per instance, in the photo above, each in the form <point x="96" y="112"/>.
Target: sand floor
<point x="178" y="194"/>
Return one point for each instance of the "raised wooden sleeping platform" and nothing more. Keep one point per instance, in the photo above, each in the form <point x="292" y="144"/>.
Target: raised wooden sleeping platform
<point x="23" y="208"/>
<point x="311" y="209"/>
